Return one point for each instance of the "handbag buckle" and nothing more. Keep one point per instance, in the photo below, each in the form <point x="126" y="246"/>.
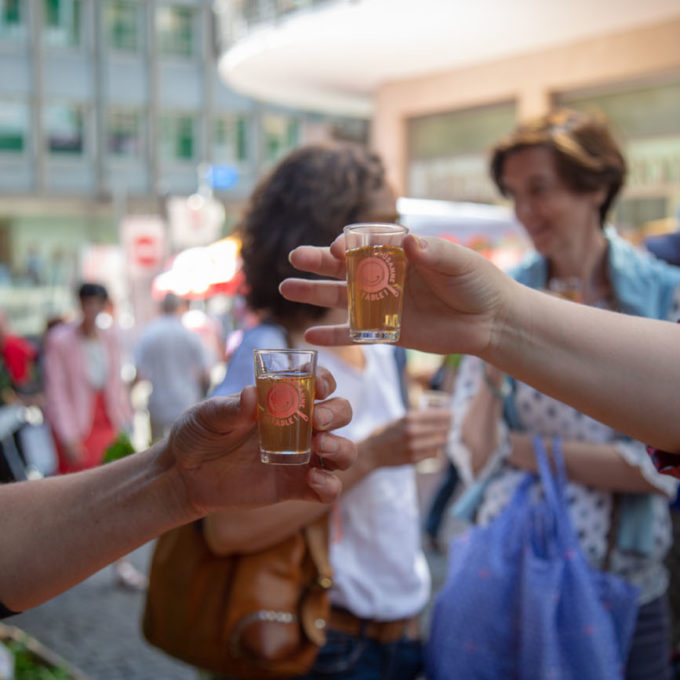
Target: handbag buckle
<point x="261" y="615"/>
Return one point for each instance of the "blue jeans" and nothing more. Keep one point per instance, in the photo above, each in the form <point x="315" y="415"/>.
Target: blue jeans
<point x="349" y="657"/>
<point x="650" y="649"/>
<point x="441" y="499"/>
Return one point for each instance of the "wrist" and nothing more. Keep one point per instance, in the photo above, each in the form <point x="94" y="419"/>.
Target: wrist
<point x="367" y="460"/>
<point x="507" y="324"/>
<point x="171" y="487"/>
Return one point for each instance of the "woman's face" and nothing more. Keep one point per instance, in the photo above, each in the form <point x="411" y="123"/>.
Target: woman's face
<point x="554" y="216"/>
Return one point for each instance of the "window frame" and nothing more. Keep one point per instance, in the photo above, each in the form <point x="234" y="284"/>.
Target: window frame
<point x="195" y="45"/>
<point x="175" y="117"/>
<point x="20" y="33"/>
<point x="140" y="35"/>
<point x="80" y="35"/>
<point x="24" y="152"/>
<point x="140" y="116"/>
<point x="84" y="111"/>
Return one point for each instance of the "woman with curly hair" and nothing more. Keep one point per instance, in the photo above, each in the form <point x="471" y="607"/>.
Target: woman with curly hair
<point x="381" y="580"/>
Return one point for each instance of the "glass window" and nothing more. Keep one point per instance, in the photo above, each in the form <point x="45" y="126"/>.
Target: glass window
<point x="124" y="134"/>
<point x="176" y="29"/>
<point x="65" y="129"/>
<point x="62" y="20"/>
<point x="648" y="111"/>
<point x="124" y="25"/>
<point x="14" y="126"/>
<point x="448" y="153"/>
<point x="230" y="140"/>
<point x="280" y="136"/>
<point x="12" y="19"/>
<point x="178" y="137"/>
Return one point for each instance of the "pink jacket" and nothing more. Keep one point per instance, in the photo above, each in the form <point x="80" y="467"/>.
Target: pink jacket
<point x="70" y="397"/>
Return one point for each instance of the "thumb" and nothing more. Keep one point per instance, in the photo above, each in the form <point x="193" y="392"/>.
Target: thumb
<point x="441" y="256"/>
<point x="225" y="414"/>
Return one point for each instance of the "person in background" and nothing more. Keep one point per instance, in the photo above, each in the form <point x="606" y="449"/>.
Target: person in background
<point x="172" y="358"/>
<point x="58" y="531"/>
<point x="19" y="359"/>
<point x="563" y="172"/>
<point x="381" y="579"/>
<point x="87" y="402"/>
<point x="444" y="380"/>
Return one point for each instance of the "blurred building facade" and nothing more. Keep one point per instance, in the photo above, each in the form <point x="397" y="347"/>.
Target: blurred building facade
<point x="106" y="108"/>
<point x="443" y="81"/>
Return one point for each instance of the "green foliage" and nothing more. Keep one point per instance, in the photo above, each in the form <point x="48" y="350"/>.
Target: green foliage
<point x="29" y="667"/>
<point x="120" y="448"/>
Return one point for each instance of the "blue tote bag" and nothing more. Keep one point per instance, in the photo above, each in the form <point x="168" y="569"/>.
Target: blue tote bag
<point x="522" y="603"/>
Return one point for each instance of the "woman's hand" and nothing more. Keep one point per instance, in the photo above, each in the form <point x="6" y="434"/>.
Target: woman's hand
<point x="453" y="298"/>
<point x="419" y="434"/>
<point x="214" y="450"/>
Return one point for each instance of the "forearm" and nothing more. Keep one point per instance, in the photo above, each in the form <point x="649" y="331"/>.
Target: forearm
<point x="56" y="532"/>
<point x="599" y="466"/>
<point x="621" y="370"/>
<point x="479" y="432"/>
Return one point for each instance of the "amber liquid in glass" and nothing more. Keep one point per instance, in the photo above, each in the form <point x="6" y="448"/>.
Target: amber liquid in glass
<point x="375" y="289"/>
<point x="285" y="405"/>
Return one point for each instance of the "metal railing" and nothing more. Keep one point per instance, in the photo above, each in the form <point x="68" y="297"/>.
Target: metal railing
<point x="237" y="18"/>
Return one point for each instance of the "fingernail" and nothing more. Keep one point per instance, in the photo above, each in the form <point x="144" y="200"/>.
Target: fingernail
<point x="329" y="444"/>
<point x="319" y="477"/>
<point x="422" y="243"/>
<point x="323" y="416"/>
<point x="321" y="385"/>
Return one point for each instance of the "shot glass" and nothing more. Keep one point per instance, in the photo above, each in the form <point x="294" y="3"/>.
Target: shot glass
<point x="376" y="268"/>
<point x="570" y="288"/>
<point x="434" y="399"/>
<point x="285" y="382"/>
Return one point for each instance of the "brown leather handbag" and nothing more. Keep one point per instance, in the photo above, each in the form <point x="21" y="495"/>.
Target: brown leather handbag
<point x="258" y="617"/>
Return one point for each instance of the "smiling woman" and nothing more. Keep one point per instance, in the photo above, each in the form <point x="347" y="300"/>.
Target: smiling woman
<point x="563" y="172"/>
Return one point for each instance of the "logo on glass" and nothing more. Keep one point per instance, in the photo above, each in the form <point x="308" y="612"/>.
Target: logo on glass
<point x="285" y="400"/>
<point x="376" y="275"/>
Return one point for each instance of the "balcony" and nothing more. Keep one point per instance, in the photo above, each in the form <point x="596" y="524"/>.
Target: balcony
<point x="333" y="55"/>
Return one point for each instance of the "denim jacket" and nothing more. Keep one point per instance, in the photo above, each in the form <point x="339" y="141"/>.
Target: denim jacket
<point x="643" y="286"/>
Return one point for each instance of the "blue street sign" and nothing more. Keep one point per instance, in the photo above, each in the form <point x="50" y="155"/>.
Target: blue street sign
<point x="221" y="177"/>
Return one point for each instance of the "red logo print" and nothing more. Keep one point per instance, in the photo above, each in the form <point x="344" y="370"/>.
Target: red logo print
<point x="373" y="274"/>
<point x="283" y="400"/>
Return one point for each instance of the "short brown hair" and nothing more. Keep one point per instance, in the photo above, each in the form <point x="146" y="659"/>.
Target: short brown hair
<point x="586" y="153"/>
<point x="306" y="200"/>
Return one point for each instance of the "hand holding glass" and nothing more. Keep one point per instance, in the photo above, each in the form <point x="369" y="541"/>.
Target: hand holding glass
<point x="376" y="268"/>
<point x="285" y="381"/>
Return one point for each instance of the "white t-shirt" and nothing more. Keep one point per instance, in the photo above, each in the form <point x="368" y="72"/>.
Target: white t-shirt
<point x="96" y="363"/>
<point x="380" y="571"/>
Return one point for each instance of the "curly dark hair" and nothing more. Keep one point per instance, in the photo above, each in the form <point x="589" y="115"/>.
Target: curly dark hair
<point x="306" y="200"/>
<point x="586" y="153"/>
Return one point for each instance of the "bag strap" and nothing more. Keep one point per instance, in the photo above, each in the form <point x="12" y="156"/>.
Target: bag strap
<point x="316" y="534"/>
<point x="612" y="536"/>
<point x="553" y="485"/>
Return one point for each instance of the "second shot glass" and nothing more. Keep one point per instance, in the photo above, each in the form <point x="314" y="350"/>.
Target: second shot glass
<point x="285" y="382"/>
<point x="376" y="269"/>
